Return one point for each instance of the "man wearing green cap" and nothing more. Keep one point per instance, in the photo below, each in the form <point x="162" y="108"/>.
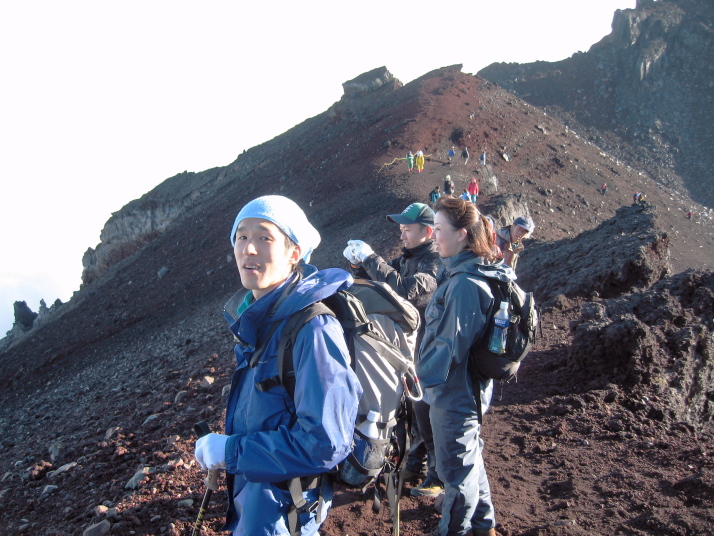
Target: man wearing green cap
<point x="412" y="275"/>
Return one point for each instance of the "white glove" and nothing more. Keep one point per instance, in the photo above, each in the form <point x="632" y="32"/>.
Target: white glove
<point x="211" y="451"/>
<point x="360" y="250"/>
<point x="349" y="255"/>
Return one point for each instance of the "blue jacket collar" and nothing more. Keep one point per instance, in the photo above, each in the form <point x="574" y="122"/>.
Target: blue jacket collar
<point x="297" y="292"/>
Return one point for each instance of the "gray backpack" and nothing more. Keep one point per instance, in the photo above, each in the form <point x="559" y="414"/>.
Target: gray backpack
<point x="380" y="329"/>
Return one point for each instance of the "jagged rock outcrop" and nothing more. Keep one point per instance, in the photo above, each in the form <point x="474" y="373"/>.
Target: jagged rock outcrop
<point x="505" y="208"/>
<point x="370" y="81"/>
<point x="45" y="313"/>
<point x="27" y="320"/>
<point x="142" y="220"/>
<point x="24" y="316"/>
<point x="624" y="253"/>
<point x="650" y="83"/>
<point x="359" y="93"/>
<point x="655" y="340"/>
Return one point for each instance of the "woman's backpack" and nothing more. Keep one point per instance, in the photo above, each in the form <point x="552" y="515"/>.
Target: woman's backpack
<point x="524" y="316"/>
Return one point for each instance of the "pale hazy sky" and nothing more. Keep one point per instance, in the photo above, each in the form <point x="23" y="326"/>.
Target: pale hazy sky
<point x="101" y="101"/>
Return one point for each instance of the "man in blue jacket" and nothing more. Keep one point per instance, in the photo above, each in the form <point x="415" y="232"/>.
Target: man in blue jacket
<point x="272" y="437"/>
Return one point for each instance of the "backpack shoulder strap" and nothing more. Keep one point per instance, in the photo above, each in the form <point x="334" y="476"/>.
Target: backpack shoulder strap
<point x="494" y="286"/>
<point x="286" y="372"/>
<point x="295" y="323"/>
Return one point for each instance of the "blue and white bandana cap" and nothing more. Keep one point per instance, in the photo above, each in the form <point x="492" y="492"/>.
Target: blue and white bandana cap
<point x="287" y="215"/>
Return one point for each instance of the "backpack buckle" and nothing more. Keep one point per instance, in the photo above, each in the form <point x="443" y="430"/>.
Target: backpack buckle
<point x="268" y="384"/>
<point x="309" y="507"/>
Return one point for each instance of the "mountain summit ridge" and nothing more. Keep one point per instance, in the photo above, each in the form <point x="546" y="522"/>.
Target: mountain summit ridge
<point x="645" y="92"/>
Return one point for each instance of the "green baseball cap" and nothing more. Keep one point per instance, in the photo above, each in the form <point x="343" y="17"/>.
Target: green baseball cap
<point x="414" y="213"/>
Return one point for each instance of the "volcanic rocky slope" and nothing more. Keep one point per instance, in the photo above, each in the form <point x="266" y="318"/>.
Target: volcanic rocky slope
<point x="644" y="92"/>
<point x="607" y="431"/>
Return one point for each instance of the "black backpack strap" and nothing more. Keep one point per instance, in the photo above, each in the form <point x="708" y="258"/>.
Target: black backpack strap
<point x="261" y="347"/>
<point x="299" y="504"/>
<point x="286" y="372"/>
<point x="286" y="367"/>
<point x="472" y="368"/>
<point x="492" y="284"/>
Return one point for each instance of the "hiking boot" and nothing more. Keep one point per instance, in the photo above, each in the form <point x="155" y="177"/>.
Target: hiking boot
<point x="489" y="532"/>
<point x="427" y="489"/>
<point x="439" y="501"/>
<point x="411" y="476"/>
<point x="434" y="532"/>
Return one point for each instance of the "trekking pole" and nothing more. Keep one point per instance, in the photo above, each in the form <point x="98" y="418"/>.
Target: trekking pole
<point x="201" y="429"/>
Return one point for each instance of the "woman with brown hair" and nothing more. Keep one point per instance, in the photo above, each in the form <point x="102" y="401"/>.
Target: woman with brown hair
<point x="456" y="317"/>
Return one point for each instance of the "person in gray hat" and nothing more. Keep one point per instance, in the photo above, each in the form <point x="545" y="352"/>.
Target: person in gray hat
<point x="509" y="239"/>
<point x="412" y="275"/>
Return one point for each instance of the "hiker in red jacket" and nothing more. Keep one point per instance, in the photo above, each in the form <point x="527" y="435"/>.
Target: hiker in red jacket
<point x="473" y="190"/>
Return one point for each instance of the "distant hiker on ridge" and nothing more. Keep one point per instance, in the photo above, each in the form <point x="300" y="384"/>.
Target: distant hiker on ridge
<point x="420" y="161"/>
<point x="410" y="161"/>
<point x="434" y="195"/>
<point x="448" y="186"/>
<point x="465" y="155"/>
<point x="473" y="190"/>
<point x="451" y="154"/>
<point x="483" y="158"/>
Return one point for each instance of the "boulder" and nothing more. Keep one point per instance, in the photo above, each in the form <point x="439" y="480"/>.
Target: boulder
<point x="24" y="316"/>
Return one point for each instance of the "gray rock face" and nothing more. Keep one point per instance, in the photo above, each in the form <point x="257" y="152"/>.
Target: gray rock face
<point x="369" y="81"/>
<point x="142" y="220"/>
<point x="128" y="231"/>
<point x="360" y="94"/>
<point x="138" y="479"/>
<point x="650" y="82"/>
<point x="98" y="529"/>
<point x="626" y="252"/>
<point x="24" y="316"/>
<point x="504" y="209"/>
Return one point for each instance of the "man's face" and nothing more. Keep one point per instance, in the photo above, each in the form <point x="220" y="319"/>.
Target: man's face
<point x="264" y="261"/>
<point x="414" y="234"/>
<point x="517" y="232"/>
